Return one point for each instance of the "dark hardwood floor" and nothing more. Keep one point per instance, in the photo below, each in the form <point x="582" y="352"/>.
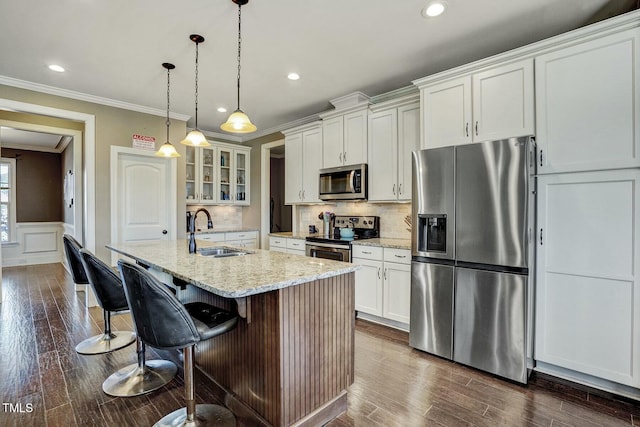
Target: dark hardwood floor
<point x="43" y="382"/>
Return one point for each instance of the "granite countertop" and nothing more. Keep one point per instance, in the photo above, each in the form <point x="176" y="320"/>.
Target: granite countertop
<point x="230" y="230"/>
<point x="385" y="243"/>
<point x="291" y="235"/>
<point x="232" y="277"/>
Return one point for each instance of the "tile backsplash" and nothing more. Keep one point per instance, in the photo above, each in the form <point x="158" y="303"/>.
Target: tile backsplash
<point x="223" y="217"/>
<point x="391" y="215"/>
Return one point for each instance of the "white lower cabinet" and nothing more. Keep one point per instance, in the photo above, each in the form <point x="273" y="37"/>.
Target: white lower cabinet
<point x="287" y="245"/>
<point x="588" y="274"/>
<point x="383" y="284"/>
<point x="244" y="239"/>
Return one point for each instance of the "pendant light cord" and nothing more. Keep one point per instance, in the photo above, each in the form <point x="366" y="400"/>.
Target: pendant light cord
<point x="239" y="47"/>
<point x="197" y="84"/>
<point x="168" y="122"/>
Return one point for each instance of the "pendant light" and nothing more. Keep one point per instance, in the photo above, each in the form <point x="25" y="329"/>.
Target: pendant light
<point x="167" y="149"/>
<point x="238" y="121"/>
<point x="195" y="138"/>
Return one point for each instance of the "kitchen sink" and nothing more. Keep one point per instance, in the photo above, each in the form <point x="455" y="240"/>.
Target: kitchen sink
<point x="221" y="251"/>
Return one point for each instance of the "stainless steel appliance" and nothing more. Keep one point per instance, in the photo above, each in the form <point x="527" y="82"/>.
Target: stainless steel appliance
<point x="339" y="248"/>
<point x="471" y="254"/>
<point x="344" y="183"/>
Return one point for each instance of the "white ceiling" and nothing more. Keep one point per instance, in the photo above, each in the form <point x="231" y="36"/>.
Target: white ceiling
<point x="114" y="49"/>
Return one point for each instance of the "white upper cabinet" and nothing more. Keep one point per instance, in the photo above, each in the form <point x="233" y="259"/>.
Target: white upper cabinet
<point x="394" y="134"/>
<point x="503" y="102"/>
<point x="344" y="139"/>
<point x="303" y="160"/>
<point x="233" y="175"/>
<point x="200" y="175"/>
<point x="492" y="104"/>
<point x="588" y="105"/>
<point x="447" y="113"/>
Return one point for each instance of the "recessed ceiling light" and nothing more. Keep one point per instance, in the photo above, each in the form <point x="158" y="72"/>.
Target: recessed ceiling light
<point x="293" y="76"/>
<point x="434" y="8"/>
<point x="222" y="110"/>
<point x="56" y="68"/>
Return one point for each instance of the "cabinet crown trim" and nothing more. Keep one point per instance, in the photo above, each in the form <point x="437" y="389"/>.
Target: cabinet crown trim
<point x="600" y="29"/>
<point x="395" y="103"/>
<point x="302" y="128"/>
<point x="334" y="113"/>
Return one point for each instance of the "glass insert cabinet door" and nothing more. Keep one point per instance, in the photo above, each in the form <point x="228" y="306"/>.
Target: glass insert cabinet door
<point x="200" y="175"/>
<point x="242" y="176"/>
<point x="225" y="178"/>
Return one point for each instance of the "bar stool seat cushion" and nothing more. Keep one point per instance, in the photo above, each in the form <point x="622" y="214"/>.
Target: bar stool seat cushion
<point x="210" y="321"/>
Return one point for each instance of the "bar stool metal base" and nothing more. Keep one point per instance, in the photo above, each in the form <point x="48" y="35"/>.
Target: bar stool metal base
<point x="134" y="380"/>
<point x="206" y="415"/>
<point x="105" y="343"/>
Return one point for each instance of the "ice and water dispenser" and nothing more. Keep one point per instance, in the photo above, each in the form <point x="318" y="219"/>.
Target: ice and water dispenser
<point x="432" y="233"/>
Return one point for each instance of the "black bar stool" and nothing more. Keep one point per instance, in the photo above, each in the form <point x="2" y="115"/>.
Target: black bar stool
<point x="145" y="375"/>
<point x="163" y="322"/>
<point x="111" y="299"/>
<point x="72" y="251"/>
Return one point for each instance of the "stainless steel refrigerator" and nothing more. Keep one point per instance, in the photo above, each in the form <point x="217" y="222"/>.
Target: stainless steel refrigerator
<point x="471" y="254"/>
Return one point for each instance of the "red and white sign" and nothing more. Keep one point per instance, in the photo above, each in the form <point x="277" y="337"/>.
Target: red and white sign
<point x="145" y="142"/>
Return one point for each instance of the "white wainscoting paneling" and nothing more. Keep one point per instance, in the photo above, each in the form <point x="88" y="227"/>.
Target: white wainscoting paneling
<point x="36" y="243"/>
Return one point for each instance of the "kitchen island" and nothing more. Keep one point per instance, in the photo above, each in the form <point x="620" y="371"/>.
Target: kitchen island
<point x="290" y="359"/>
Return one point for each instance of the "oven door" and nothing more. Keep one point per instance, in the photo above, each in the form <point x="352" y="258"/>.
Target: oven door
<point x="329" y="251"/>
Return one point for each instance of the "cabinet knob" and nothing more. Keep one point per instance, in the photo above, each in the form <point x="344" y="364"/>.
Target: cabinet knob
<point x="164" y="231"/>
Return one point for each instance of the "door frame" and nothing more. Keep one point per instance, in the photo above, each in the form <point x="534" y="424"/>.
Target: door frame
<point x="265" y="190"/>
<point x="172" y="199"/>
<point x="88" y="170"/>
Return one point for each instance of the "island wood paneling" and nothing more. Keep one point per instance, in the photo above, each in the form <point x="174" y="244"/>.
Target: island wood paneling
<point x="293" y="356"/>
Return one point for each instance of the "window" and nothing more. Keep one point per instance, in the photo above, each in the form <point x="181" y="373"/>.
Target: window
<point x="7" y="199"/>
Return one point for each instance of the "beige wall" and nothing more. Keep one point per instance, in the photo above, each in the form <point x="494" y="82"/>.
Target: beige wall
<point x="114" y="126"/>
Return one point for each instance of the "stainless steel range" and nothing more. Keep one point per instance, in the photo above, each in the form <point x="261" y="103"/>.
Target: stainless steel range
<point x="338" y="248"/>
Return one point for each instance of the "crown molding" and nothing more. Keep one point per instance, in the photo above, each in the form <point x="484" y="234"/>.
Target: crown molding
<point x="599" y="29"/>
<point x="50" y="90"/>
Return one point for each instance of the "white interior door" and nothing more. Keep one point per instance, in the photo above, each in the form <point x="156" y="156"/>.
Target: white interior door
<point x="143" y="196"/>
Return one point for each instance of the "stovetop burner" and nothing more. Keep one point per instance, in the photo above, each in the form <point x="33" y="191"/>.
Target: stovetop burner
<point x="364" y="227"/>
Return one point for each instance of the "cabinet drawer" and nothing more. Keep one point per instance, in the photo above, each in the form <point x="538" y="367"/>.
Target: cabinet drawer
<point x="241" y="235"/>
<point x="211" y="237"/>
<point x="296" y="244"/>
<point x="368" y="252"/>
<point x="401" y="256"/>
<point x="277" y="242"/>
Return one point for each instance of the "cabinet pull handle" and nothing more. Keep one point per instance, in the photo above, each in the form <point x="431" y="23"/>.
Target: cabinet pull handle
<point x="303" y="194"/>
<point x="378" y="272"/>
<point x="476" y="128"/>
<point x="400" y="256"/>
<point x="541" y="237"/>
<point x="466" y="129"/>
<point x="344" y="157"/>
<point x="340" y="156"/>
<point x="385" y="274"/>
<point x="394" y="189"/>
<point x="540" y="158"/>
<point x="366" y="252"/>
<point x="399" y="189"/>
<point x="300" y="194"/>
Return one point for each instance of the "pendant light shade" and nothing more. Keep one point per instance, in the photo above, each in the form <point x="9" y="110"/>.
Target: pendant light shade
<point x="195" y="138"/>
<point x="238" y="121"/>
<point x="167" y="149"/>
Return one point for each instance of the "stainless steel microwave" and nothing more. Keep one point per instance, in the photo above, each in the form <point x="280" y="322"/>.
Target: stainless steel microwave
<point x="344" y="183"/>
